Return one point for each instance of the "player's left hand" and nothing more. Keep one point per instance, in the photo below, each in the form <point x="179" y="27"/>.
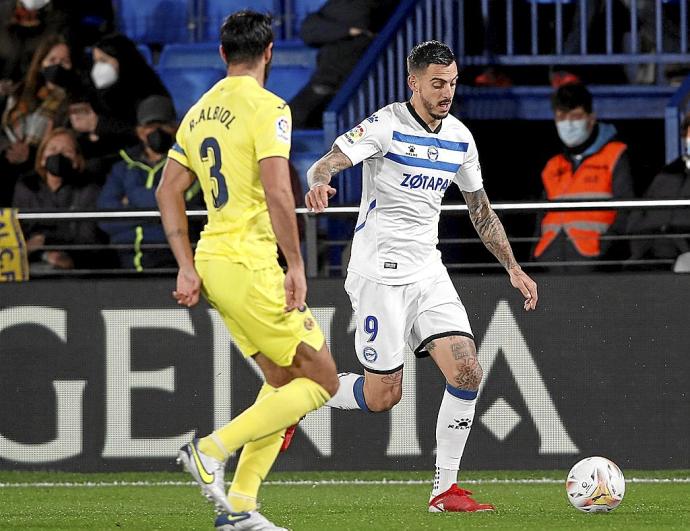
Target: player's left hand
<point x="528" y="287"/>
<point x="188" y="287"/>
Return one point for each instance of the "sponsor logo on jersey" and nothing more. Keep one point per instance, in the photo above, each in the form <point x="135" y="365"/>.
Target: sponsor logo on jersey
<point x="355" y="134"/>
<point x="390" y="265"/>
<point x="283" y="129"/>
<point x="432" y="153"/>
<point x="370" y="354"/>
<point x="411" y="151"/>
<point x="425" y="182"/>
<point x="373" y="118"/>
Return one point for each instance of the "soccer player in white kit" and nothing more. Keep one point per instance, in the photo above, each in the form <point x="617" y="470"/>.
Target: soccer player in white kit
<point x="399" y="288"/>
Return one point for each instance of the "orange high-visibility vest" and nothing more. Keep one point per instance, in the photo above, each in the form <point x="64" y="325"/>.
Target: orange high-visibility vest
<point x="593" y="179"/>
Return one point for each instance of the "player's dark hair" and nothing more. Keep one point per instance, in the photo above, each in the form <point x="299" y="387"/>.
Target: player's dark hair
<point x="245" y="35"/>
<point x="572" y="96"/>
<point x="429" y="53"/>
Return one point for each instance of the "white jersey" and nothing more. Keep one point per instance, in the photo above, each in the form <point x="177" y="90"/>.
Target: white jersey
<point x="406" y="170"/>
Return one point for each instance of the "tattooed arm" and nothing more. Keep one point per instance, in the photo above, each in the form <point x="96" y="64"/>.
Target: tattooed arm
<point x="319" y="178"/>
<point x="493" y="235"/>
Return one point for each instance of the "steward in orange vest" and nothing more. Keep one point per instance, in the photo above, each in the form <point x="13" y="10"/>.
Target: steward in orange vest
<point x="597" y="169"/>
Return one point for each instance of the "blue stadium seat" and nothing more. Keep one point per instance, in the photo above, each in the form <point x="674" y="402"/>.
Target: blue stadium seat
<point x="301" y="8"/>
<point x="215" y="11"/>
<point x="286" y="81"/>
<point x="154" y="21"/>
<point x="186" y="85"/>
<point x="197" y="55"/>
<point x="206" y="54"/>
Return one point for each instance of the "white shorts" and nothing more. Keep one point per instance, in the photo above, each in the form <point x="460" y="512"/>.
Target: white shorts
<point x="388" y="317"/>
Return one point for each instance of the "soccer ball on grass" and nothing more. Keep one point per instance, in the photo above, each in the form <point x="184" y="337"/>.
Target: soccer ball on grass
<point x="595" y="484"/>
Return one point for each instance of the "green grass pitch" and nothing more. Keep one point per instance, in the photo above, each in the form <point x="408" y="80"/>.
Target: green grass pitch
<point x="334" y="501"/>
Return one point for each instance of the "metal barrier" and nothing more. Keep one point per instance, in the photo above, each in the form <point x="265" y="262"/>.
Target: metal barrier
<point x="313" y="243"/>
<point x="380" y="76"/>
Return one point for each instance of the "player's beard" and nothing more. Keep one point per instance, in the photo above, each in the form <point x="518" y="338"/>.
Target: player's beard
<point x="429" y="107"/>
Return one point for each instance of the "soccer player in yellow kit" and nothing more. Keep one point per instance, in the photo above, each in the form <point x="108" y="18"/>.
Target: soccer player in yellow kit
<point x="236" y="141"/>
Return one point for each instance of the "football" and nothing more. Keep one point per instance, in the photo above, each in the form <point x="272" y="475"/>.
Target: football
<point x="595" y="484"/>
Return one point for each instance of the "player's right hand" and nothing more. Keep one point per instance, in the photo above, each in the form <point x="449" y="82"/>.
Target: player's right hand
<point x="317" y="197"/>
<point x="295" y="289"/>
<point x="188" y="287"/>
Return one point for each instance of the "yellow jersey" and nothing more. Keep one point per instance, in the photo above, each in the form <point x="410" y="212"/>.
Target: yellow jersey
<point x="221" y="139"/>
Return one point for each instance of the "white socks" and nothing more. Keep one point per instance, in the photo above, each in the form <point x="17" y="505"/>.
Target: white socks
<point x="453" y="426"/>
<point x="350" y="394"/>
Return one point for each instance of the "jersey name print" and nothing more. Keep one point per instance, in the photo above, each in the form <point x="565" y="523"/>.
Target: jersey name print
<point x="222" y="138"/>
<point x="406" y="170"/>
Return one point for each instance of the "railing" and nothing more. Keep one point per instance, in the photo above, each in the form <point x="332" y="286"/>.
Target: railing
<point x="380" y="76"/>
<point x="312" y="242"/>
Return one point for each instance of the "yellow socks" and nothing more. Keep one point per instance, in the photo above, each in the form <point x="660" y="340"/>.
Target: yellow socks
<point x="255" y="462"/>
<point x="268" y="415"/>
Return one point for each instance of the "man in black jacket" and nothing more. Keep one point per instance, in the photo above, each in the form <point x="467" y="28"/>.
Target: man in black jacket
<point x="342" y="30"/>
<point x="672" y="182"/>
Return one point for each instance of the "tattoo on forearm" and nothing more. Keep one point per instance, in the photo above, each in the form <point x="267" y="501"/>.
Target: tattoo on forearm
<point x="176" y="233"/>
<point x="489" y="227"/>
<point x="392" y="379"/>
<point x="331" y="164"/>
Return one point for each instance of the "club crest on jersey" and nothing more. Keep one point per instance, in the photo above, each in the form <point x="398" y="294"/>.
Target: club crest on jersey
<point x="355" y="134"/>
<point x="432" y="153"/>
<point x="425" y="182"/>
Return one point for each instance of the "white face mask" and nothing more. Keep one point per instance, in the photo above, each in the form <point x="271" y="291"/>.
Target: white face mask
<point x="572" y="132"/>
<point x="103" y="75"/>
<point x="34" y="4"/>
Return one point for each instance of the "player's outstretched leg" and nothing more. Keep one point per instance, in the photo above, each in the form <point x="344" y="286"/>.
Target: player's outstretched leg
<point x="456" y="356"/>
<point x="313" y="383"/>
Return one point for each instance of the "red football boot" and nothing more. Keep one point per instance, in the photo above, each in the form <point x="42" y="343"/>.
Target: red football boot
<point x="289" y="433"/>
<point x="457" y="500"/>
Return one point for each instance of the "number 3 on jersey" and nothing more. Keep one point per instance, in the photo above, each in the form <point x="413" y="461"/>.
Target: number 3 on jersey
<point x="219" y="188"/>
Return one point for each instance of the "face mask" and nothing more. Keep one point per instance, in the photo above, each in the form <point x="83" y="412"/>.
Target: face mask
<point x="572" y="132"/>
<point x="60" y="166"/>
<point x="159" y="141"/>
<point x="103" y="75"/>
<point x="58" y="75"/>
<point x="34" y="5"/>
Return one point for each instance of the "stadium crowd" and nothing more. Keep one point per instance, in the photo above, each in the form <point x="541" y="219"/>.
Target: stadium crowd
<point x="87" y="122"/>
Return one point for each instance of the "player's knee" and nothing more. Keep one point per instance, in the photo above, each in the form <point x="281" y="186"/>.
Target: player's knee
<point x="467" y="372"/>
<point x="383" y="401"/>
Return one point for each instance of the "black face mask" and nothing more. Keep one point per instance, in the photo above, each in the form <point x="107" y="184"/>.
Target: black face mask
<point x="160" y="141"/>
<point x="61" y="166"/>
<point x="59" y="75"/>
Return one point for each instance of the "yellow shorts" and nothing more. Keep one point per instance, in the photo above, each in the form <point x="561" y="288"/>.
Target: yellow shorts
<point x="252" y="302"/>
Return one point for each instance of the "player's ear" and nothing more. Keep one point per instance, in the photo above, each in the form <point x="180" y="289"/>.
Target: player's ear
<point x="222" y="54"/>
<point x="412" y="82"/>
<point x="268" y="53"/>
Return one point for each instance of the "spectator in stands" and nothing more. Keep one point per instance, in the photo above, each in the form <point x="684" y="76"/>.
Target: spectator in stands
<point x="673" y="182"/>
<point x="342" y="30"/>
<point x="107" y="119"/>
<point x="593" y="165"/>
<point x="38" y="104"/>
<point x="23" y="25"/>
<point x="132" y="184"/>
<point x="58" y="184"/>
